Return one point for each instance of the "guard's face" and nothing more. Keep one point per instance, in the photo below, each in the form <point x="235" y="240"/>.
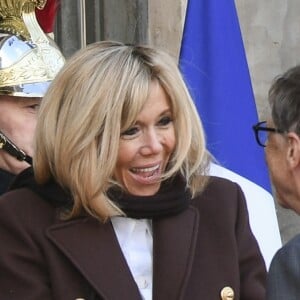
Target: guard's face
<point x="18" y="116"/>
<point x="146" y="147"/>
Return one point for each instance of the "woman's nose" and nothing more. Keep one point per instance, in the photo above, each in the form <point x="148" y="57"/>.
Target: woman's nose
<point x="152" y="143"/>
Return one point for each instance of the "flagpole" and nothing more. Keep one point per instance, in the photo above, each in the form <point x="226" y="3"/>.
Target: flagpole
<point x="82" y="15"/>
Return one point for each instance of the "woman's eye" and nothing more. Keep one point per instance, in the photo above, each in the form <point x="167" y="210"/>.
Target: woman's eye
<point x="164" y="121"/>
<point x="131" y="131"/>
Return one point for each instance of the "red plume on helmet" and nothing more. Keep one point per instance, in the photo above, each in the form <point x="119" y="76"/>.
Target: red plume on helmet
<point x="46" y="16"/>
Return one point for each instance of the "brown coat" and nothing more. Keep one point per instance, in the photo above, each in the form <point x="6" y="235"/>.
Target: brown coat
<point x="196" y="253"/>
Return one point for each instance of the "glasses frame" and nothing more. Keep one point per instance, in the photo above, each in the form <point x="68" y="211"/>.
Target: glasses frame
<point x="258" y="127"/>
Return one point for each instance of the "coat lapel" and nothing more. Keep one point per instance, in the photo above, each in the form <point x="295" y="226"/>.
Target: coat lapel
<point x="173" y="253"/>
<point x="102" y="263"/>
<point x="93" y="248"/>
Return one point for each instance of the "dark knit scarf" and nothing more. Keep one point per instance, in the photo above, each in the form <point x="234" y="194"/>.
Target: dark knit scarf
<point x="171" y="199"/>
<point x="50" y="191"/>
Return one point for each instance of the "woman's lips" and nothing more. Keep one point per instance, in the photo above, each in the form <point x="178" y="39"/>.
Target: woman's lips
<point x="146" y="174"/>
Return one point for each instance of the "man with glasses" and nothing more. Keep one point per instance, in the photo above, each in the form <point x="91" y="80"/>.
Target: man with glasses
<point x="280" y="135"/>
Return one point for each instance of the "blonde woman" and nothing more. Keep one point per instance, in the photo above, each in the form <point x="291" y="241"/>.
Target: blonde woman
<point x="119" y="206"/>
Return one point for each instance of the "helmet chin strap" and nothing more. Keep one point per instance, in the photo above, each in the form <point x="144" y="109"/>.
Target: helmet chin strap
<point x="7" y="145"/>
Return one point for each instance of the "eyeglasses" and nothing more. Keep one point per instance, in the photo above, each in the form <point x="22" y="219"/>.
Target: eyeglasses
<point x="261" y="132"/>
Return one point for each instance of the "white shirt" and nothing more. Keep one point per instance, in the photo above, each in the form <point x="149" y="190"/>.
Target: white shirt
<point x="136" y="241"/>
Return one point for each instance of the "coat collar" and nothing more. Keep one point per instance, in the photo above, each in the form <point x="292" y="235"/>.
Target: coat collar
<point x="103" y="265"/>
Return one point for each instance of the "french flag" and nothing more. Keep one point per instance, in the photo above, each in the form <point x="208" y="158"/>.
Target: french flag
<point x="213" y="62"/>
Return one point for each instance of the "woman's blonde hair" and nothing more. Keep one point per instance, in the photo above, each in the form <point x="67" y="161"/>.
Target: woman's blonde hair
<point x="96" y="96"/>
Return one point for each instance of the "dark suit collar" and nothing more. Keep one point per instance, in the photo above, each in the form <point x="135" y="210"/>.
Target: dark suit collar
<point x="93" y="249"/>
<point x="5" y="180"/>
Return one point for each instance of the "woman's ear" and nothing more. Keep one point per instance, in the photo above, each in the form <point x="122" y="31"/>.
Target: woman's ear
<point x="293" y="150"/>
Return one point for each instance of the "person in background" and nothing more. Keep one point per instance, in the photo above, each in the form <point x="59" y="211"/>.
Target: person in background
<point x="29" y="60"/>
<point x="117" y="205"/>
<point x="280" y="135"/>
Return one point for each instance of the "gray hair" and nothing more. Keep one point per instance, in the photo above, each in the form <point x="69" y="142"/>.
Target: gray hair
<point x="284" y="98"/>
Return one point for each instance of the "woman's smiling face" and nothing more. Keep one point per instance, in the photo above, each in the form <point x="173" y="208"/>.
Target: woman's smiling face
<point x="146" y="147"/>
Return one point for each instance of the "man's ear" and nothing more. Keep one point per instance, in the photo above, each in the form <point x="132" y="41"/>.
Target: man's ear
<point x="293" y="152"/>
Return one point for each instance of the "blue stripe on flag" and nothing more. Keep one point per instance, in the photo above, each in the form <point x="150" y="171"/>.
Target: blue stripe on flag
<point x="214" y="65"/>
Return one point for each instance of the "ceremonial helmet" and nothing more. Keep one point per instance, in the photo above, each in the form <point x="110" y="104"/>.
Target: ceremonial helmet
<point x="29" y="58"/>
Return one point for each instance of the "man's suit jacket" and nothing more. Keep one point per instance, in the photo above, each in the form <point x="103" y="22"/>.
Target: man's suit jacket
<point x="196" y="253"/>
<point x="284" y="273"/>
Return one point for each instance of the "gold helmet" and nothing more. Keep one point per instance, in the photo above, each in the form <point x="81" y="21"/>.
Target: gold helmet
<point x="29" y="58"/>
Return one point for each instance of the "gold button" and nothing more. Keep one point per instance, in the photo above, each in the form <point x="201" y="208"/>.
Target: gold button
<point x="227" y="293"/>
